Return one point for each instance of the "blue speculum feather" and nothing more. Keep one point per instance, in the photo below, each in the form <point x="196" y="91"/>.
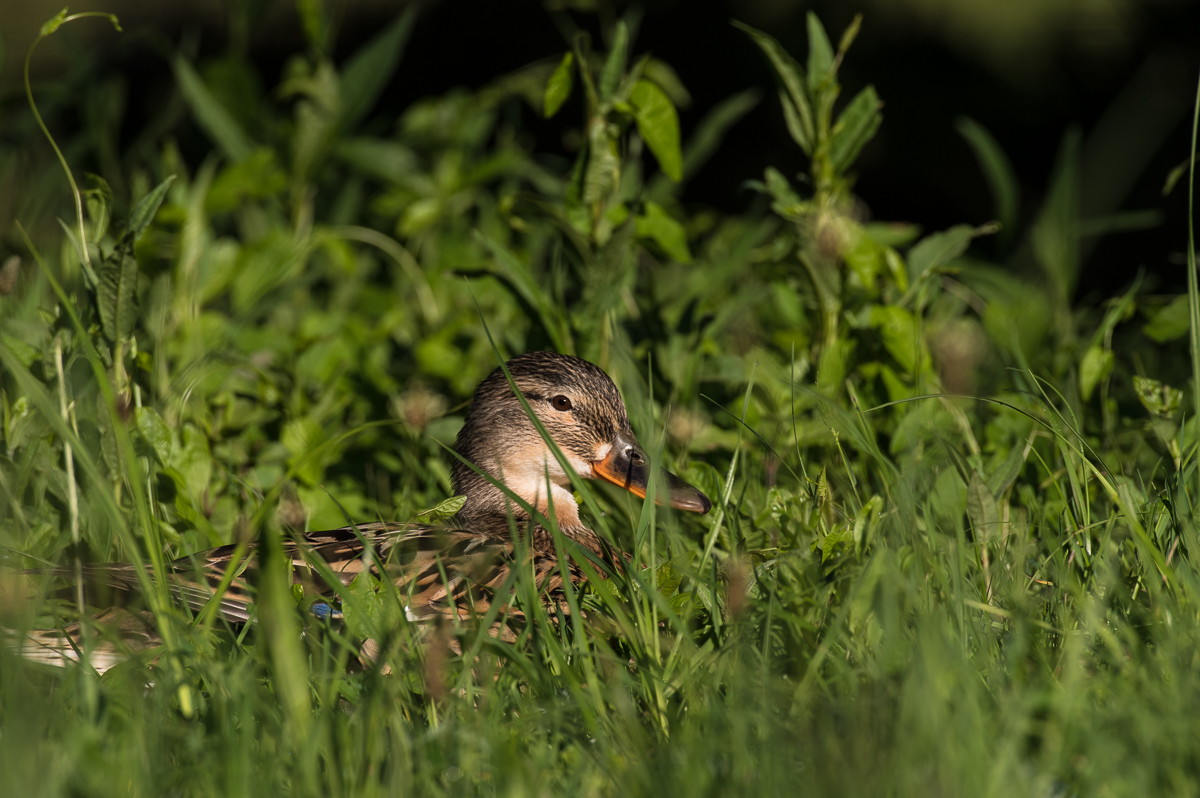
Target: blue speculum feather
<point x="325" y="611"/>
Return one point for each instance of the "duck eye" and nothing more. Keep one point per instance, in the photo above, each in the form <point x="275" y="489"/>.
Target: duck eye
<point x="560" y="403"/>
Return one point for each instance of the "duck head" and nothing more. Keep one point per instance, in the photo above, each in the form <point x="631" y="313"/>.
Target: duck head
<point x="582" y="412"/>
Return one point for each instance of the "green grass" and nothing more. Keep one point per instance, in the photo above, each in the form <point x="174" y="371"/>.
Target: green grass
<point x="952" y="547"/>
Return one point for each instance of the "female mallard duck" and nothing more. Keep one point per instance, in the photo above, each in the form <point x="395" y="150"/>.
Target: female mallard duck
<point x="580" y="410"/>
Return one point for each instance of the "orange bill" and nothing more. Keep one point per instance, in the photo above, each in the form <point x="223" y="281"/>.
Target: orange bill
<point x="627" y="466"/>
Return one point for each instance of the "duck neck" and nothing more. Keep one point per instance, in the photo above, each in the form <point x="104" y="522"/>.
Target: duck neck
<point x="488" y="509"/>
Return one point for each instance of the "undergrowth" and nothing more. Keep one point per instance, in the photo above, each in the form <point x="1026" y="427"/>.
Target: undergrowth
<point x="951" y="551"/>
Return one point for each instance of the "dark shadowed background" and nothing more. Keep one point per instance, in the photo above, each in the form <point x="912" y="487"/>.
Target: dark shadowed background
<point x="1122" y="70"/>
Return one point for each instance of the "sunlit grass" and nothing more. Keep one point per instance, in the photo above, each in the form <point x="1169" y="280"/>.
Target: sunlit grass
<point x="951" y="546"/>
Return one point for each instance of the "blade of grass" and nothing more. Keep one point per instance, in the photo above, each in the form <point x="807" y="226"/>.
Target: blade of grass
<point x="1193" y="286"/>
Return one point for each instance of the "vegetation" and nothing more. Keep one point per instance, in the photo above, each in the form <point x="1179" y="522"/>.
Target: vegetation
<point x="952" y="544"/>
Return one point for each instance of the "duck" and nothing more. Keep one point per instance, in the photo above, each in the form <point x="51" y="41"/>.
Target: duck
<point x="511" y="482"/>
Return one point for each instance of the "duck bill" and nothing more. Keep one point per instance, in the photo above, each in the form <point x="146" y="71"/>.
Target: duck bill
<point x="628" y="467"/>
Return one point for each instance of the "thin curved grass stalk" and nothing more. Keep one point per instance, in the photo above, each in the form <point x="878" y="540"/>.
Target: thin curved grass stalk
<point x="52" y="25"/>
<point x="404" y="259"/>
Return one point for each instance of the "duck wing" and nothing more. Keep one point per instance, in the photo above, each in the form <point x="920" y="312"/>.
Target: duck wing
<point x="436" y="571"/>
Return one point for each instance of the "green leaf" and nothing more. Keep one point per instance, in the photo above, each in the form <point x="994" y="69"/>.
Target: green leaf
<point x="1020" y="323"/>
<point x="792" y="77"/>
<point x="1170" y="323"/>
<point x="961" y="464"/>
<point x="385" y="159"/>
<point x="213" y="117"/>
<point x="712" y="128"/>
<point x="558" y="88"/>
<point x="820" y="53"/>
<point x="668" y="80"/>
<point x="88" y="272"/>
<point x="280" y="629"/>
<point x="193" y="460"/>
<point x="1121" y="222"/>
<point x="361" y="612"/>
<point x="1007" y="472"/>
<point x="300" y="436"/>
<point x="117" y="294"/>
<point x="865" y="521"/>
<point x="864" y="257"/>
<point x="897" y="389"/>
<point x="367" y="72"/>
<point x="795" y="125"/>
<point x="614" y="66"/>
<point x="778" y="187"/>
<point x="892" y="234"/>
<point x="901" y="335"/>
<point x="155" y="431"/>
<point x="838" y="538"/>
<point x="603" y="173"/>
<point x="147" y="206"/>
<point x="516" y="273"/>
<point x="850" y="34"/>
<point x="315" y="23"/>
<point x="1157" y="397"/>
<point x="658" y="125"/>
<point x="1173" y="176"/>
<point x="315" y="119"/>
<point x="99" y="201"/>
<point x="981" y="507"/>
<point x="856" y="125"/>
<point x="938" y="249"/>
<point x="667" y="579"/>
<point x="1097" y="364"/>
<point x="255" y="177"/>
<point x="188" y="508"/>
<point x="23" y="352"/>
<point x="235" y="84"/>
<point x="997" y="170"/>
<point x="445" y="510"/>
<point x="657" y="225"/>
<point x="369" y="609"/>
<point x="833" y="366"/>
<point x="707" y="137"/>
<point x="264" y="267"/>
<point x="1055" y="235"/>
